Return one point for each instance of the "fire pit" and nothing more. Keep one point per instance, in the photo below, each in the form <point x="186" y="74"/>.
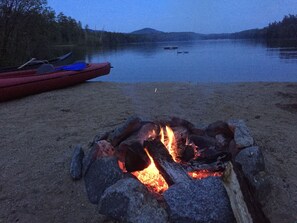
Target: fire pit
<point x="171" y="171"/>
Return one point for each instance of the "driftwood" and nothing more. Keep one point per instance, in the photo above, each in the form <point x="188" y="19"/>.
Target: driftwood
<point x="171" y="171"/>
<point x="245" y="206"/>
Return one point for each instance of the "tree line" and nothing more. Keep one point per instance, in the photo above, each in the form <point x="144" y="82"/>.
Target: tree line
<point x="29" y="28"/>
<point x="285" y="29"/>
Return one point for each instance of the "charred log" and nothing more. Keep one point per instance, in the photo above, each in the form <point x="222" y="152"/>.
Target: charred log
<point x="203" y="141"/>
<point x="123" y="132"/>
<point x="210" y="167"/>
<point x="187" y="154"/>
<point x="197" y="131"/>
<point x="213" y="157"/>
<point x="136" y="158"/>
<point x="177" y="122"/>
<point x="147" y="131"/>
<point x="171" y="171"/>
<point x="181" y="138"/>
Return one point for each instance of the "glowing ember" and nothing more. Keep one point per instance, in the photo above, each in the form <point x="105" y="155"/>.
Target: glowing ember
<point x="203" y="174"/>
<point x="151" y="177"/>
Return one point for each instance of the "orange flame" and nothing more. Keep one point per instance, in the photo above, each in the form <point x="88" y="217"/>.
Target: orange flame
<point x="169" y="141"/>
<point x="151" y="177"/>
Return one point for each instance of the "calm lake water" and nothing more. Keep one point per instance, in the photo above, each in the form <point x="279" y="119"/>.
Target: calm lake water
<point x="201" y="61"/>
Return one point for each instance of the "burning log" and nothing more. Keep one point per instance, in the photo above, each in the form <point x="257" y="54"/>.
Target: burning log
<point x="183" y="151"/>
<point x="171" y="171"/>
<point x="131" y="152"/>
<point x="136" y="158"/>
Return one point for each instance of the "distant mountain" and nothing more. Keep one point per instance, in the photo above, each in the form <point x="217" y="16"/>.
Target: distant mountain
<point x="147" y="31"/>
<point x="153" y="35"/>
<point x="246" y="34"/>
<point x="149" y="34"/>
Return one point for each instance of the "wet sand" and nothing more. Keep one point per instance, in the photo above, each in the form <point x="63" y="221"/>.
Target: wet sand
<point x="38" y="134"/>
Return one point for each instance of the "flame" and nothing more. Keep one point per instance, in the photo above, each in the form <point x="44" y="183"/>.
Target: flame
<point x="162" y="136"/>
<point x="168" y="139"/>
<point x="151" y="177"/>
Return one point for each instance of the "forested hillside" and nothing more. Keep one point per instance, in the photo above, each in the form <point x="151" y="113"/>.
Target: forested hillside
<point x="29" y="28"/>
<point x="286" y="29"/>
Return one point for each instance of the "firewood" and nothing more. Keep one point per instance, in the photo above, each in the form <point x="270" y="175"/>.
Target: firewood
<point x="121" y="133"/>
<point x="210" y="157"/>
<point x="136" y="139"/>
<point x="178" y="122"/>
<point x="188" y="153"/>
<point x="245" y="206"/>
<point x="136" y="158"/>
<point x="171" y="171"/>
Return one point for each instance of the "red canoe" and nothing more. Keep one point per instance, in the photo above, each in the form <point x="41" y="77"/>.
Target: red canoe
<point x="22" y="83"/>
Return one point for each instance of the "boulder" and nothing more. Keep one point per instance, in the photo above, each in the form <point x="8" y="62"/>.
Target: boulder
<point x="76" y="163"/>
<point x="101" y="174"/>
<point x="252" y="162"/>
<point x="130" y="201"/>
<point x="98" y="150"/>
<point x="242" y="135"/>
<point x="201" y="201"/>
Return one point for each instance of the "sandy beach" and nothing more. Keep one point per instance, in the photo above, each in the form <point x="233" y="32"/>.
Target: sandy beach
<point x="38" y="134"/>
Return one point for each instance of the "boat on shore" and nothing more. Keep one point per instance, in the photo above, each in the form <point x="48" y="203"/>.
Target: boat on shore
<point x="34" y="63"/>
<point x="17" y="84"/>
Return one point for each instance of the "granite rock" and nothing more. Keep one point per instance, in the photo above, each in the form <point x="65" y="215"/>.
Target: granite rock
<point x="201" y="201"/>
<point x="76" y="163"/>
<point x="129" y="200"/>
<point x="101" y="174"/>
<point x="242" y="135"/>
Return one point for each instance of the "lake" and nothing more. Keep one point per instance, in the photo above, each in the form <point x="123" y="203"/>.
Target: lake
<point x="199" y="61"/>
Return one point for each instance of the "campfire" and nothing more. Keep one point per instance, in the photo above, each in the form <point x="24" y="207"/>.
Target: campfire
<point x="159" y="158"/>
<point x="180" y="150"/>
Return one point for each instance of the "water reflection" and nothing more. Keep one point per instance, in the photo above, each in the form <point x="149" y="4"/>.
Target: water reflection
<point x="205" y="61"/>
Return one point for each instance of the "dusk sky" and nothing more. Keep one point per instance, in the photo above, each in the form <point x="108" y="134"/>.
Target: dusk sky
<point x="201" y="16"/>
